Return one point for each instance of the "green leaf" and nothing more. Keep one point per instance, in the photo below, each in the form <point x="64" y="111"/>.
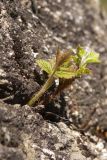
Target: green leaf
<point x="66" y="74"/>
<point x="76" y="60"/>
<point x="45" y="65"/>
<point x="80" y="52"/>
<point x="65" y="65"/>
<point x="83" y="71"/>
<point x="93" y="57"/>
<point x="87" y="57"/>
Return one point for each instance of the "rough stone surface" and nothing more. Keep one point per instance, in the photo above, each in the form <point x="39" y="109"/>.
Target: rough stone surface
<point x="34" y="28"/>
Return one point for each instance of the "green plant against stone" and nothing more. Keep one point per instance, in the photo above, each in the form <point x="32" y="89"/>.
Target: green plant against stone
<point x="65" y="66"/>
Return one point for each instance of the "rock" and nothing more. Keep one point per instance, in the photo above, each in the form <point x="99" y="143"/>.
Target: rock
<point x="31" y="29"/>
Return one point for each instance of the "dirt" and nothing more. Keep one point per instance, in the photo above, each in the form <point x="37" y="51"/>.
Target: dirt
<point x="72" y="127"/>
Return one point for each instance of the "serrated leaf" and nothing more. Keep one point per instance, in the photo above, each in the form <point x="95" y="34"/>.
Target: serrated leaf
<point x="52" y="62"/>
<point x="80" y="52"/>
<point x="87" y="57"/>
<point x="76" y="60"/>
<point x="83" y="71"/>
<point x="66" y="74"/>
<point x="45" y="65"/>
<point x="93" y="57"/>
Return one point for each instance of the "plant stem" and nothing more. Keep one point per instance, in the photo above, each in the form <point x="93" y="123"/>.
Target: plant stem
<point x="44" y="88"/>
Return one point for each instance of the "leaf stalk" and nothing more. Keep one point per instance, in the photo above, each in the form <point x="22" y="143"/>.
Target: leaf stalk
<point x="40" y="93"/>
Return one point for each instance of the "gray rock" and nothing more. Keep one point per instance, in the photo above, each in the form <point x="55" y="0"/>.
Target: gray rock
<point x="28" y="32"/>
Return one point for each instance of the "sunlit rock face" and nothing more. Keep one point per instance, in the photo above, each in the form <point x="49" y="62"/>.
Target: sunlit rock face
<point x="31" y="29"/>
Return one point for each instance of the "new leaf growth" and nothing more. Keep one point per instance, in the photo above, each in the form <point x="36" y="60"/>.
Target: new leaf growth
<point x="65" y="67"/>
